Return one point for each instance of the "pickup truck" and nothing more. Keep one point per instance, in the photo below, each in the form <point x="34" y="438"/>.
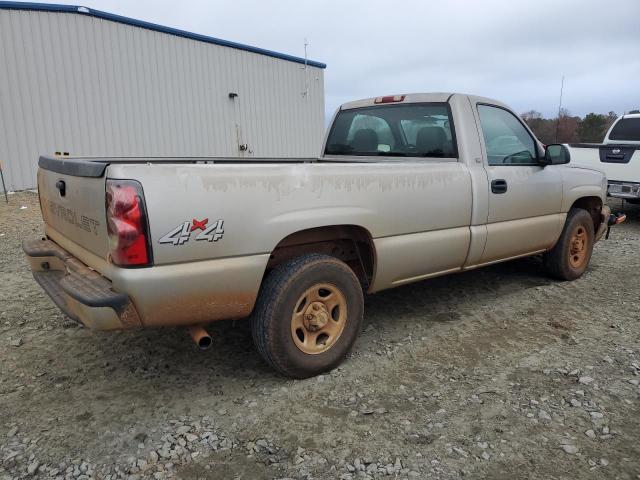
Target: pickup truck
<point x="408" y="187"/>
<point x="618" y="157"/>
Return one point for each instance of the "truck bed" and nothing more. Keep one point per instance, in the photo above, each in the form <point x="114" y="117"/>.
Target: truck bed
<point x="255" y="209"/>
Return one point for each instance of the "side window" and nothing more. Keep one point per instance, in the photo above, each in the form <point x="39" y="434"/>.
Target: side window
<point x="626" y="129"/>
<point x="370" y="133"/>
<point x="506" y="140"/>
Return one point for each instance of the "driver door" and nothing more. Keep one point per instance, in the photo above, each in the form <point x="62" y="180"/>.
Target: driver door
<point x="524" y="197"/>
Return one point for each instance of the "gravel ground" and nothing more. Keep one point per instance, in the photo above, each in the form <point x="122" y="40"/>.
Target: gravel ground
<point x="495" y="373"/>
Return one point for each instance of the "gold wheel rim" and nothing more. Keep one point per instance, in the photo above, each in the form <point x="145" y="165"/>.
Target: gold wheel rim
<point x="578" y="247"/>
<point x="318" y="318"/>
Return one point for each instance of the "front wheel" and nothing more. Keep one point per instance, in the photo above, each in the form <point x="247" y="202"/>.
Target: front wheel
<point x="569" y="258"/>
<point x="308" y="315"/>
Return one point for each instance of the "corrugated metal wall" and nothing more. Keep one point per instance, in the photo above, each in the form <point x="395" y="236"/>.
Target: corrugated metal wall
<point x="89" y="86"/>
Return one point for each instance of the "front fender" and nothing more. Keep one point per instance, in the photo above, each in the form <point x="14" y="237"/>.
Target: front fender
<point x="579" y="183"/>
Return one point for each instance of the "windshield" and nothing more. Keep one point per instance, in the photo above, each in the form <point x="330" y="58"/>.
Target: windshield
<point x="415" y="130"/>
<point x="626" y="129"/>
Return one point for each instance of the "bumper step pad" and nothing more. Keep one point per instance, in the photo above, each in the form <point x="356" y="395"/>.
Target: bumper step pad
<point x="50" y="283"/>
<point x="78" y="281"/>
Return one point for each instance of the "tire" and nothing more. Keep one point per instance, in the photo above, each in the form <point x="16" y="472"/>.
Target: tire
<point x="308" y="315"/>
<point x="570" y="257"/>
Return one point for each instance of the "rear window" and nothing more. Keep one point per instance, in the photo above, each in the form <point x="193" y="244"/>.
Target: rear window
<point x="626" y="129"/>
<point x="416" y="130"/>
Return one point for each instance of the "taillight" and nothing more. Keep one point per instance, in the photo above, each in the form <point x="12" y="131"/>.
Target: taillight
<point x="390" y="99"/>
<point x="127" y="223"/>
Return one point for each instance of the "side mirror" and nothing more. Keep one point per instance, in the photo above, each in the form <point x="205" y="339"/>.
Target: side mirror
<point x="556" y="154"/>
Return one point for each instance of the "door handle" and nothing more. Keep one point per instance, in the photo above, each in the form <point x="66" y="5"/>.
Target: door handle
<point x="499" y="186"/>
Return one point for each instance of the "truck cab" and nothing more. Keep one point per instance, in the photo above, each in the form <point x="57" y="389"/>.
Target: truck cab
<point x="503" y="162"/>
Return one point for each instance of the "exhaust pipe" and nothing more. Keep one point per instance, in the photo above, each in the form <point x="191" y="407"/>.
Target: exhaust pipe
<point x="200" y="336"/>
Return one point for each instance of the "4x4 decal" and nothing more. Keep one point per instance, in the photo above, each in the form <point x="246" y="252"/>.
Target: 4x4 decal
<point x="198" y="228"/>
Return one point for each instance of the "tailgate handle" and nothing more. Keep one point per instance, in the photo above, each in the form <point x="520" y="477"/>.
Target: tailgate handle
<point x="62" y="187"/>
<point x="499" y="186"/>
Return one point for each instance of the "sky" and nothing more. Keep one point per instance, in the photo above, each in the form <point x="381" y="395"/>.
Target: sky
<point x="515" y="51"/>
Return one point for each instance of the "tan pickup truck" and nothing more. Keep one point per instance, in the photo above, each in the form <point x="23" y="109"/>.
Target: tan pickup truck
<point x="409" y="187"/>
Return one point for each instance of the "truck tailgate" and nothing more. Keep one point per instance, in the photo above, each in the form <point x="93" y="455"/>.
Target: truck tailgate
<point x="72" y="197"/>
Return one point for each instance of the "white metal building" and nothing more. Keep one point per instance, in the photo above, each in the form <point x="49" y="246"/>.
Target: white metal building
<point x="78" y="80"/>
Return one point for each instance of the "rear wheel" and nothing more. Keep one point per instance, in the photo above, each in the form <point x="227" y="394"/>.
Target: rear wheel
<point x="308" y="315"/>
<point x="570" y="257"/>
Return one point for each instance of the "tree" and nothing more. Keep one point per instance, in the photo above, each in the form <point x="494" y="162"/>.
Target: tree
<point x="593" y="127"/>
<point x="543" y="128"/>
<point x="566" y="127"/>
<point x="531" y="116"/>
<point x="611" y="117"/>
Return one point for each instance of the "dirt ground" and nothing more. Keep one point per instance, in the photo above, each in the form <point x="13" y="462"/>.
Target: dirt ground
<point x="497" y="373"/>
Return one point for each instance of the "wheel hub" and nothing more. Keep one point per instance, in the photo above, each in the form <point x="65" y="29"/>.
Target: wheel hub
<point x="578" y="248"/>
<point x="318" y="319"/>
<point x="316" y="316"/>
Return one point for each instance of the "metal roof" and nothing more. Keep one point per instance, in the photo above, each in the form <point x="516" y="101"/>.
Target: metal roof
<point x="49" y="7"/>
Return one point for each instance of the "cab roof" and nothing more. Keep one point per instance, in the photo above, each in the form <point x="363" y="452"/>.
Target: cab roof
<point x="435" y="97"/>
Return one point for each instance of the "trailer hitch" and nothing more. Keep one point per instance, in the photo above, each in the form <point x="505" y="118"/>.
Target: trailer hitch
<point x="614" y="219"/>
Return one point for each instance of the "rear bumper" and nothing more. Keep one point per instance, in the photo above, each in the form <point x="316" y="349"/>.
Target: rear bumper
<point x="161" y="296"/>
<point x="80" y="292"/>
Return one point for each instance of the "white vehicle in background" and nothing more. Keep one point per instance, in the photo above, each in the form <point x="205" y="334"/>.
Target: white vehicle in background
<point x="618" y="157"/>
